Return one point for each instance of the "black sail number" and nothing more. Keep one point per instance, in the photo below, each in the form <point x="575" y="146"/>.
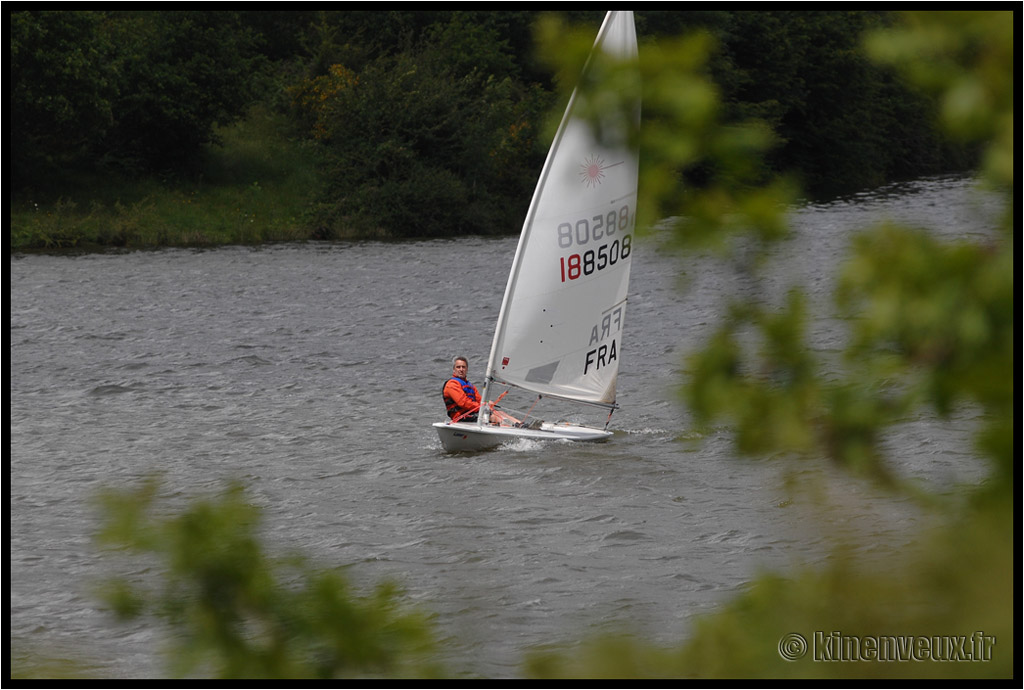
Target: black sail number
<point x="612" y="227"/>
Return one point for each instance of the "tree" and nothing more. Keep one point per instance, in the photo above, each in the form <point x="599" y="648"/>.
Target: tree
<point x="235" y="611"/>
<point x="63" y="89"/>
<point x="843" y="122"/>
<point x="433" y="140"/>
<point x="181" y="73"/>
<point x="933" y="319"/>
<point x="932" y="333"/>
<point x="131" y="91"/>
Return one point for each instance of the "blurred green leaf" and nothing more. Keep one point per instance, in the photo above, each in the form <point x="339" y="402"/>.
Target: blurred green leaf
<point x="236" y="612"/>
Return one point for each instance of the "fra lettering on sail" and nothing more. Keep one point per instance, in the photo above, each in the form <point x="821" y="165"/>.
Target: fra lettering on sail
<point x="605" y="353"/>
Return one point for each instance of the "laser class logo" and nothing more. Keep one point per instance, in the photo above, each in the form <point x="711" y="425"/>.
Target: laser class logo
<point x="592" y="170"/>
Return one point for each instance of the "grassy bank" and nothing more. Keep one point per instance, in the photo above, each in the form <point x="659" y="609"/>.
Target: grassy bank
<point x="255" y="186"/>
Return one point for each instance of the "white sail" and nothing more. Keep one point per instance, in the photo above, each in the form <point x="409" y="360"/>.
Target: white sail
<point x="559" y="332"/>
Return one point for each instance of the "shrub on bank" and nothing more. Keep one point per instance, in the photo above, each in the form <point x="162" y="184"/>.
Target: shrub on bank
<point x="255" y="187"/>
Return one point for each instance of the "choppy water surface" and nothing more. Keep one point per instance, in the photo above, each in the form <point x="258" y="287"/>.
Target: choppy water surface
<point x="312" y="372"/>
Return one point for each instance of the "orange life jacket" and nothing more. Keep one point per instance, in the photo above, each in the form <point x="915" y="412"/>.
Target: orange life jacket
<point x="451" y="405"/>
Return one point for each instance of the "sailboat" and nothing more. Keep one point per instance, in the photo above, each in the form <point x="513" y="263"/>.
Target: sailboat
<point x="559" y="330"/>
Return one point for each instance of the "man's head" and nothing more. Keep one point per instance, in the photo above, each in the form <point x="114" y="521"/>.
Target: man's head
<point x="460" y="367"/>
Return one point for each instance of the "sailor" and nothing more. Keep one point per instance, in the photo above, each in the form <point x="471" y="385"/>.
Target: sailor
<point x="461" y="399"/>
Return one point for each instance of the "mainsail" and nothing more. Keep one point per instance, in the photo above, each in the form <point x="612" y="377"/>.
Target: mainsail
<point x="559" y="332"/>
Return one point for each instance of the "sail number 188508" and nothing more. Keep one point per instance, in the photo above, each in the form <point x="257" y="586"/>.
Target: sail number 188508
<point x="585" y="264"/>
<point x="589" y="231"/>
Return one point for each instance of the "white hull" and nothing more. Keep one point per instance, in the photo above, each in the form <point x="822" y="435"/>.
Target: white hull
<point x="469" y="436"/>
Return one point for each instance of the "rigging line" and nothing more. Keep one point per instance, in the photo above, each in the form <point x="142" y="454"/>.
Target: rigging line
<point x="462" y="415"/>
<point x="530" y="411"/>
<point x="499" y="398"/>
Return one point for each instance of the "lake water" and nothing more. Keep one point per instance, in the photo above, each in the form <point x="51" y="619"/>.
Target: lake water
<point x="312" y="372"/>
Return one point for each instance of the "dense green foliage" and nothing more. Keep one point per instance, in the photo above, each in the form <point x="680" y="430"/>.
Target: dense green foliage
<point x="427" y="123"/>
<point x="61" y="91"/>
<point x="135" y="91"/>
<point x="254" y="188"/>
<point x="179" y="74"/>
<point x="427" y="142"/>
<point x="844" y="122"/>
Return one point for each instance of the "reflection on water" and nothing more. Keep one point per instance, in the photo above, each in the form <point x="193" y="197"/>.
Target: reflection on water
<point x="312" y="372"/>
